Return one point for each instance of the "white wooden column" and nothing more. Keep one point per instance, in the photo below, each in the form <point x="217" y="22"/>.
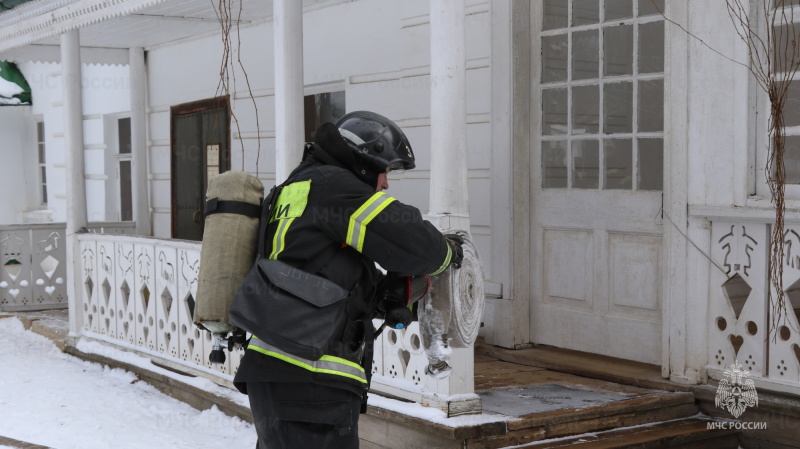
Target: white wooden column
<point x="141" y="199"/>
<point x="75" y="176"/>
<point x="289" y="118"/>
<point x="449" y="202"/>
<point x="442" y="322"/>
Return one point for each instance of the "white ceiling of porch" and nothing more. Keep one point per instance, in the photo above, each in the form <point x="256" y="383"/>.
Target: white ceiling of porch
<point x="164" y="23"/>
<point x="167" y="22"/>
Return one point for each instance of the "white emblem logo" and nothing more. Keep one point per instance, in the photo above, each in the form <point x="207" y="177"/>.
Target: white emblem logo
<point x="735" y="393"/>
<point x="409" y="151"/>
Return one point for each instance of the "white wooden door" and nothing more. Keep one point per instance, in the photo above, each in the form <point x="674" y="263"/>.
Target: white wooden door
<point x="597" y="176"/>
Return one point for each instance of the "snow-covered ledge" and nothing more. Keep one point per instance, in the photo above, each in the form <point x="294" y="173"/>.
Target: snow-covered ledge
<point x="138" y="295"/>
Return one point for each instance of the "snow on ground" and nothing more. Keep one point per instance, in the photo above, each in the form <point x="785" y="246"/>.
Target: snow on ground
<point x="53" y="399"/>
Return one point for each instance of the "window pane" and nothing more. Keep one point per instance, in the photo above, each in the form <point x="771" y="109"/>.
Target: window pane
<point x="585" y="12"/>
<point x="792" y="108"/>
<point x="618" y="50"/>
<point x="40" y="131"/>
<point x="554" y="164"/>
<point x="585" y="109"/>
<point x="791" y="159"/>
<point x="786" y="50"/>
<point x="41" y="154"/>
<point x="585" y="54"/>
<point x="124" y="125"/>
<point x="618" y="108"/>
<point x="321" y="108"/>
<point x="44" y="174"/>
<point x="44" y="194"/>
<point x="555" y="14"/>
<point x="651" y="164"/>
<point x="618" y="158"/>
<point x="646" y="7"/>
<point x="618" y="9"/>
<point x="125" y="191"/>
<point x="554" y="58"/>
<point x="554" y="111"/>
<point x="651" y="106"/>
<point x="585" y="164"/>
<point x="651" y="47"/>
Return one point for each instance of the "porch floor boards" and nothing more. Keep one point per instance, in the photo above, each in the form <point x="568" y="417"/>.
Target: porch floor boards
<point x="499" y="369"/>
<point x="584" y="364"/>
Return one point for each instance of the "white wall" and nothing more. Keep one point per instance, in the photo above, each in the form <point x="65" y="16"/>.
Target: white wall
<point x="379" y="50"/>
<point x="105" y="91"/>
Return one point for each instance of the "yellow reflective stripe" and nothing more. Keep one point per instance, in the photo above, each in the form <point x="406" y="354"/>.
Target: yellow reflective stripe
<point x="446" y="262"/>
<point x="326" y="364"/>
<point x="330" y="358"/>
<point x="357" y="228"/>
<point x="279" y="240"/>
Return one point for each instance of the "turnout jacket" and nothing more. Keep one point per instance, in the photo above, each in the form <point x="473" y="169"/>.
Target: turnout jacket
<point x="328" y="219"/>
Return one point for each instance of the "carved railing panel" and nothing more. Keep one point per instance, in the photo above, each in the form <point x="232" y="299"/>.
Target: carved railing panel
<point x="784" y="344"/>
<point x="742" y="324"/>
<point x="48" y="267"/>
<point x="144" y="262"/>
<point x="188" y="267"/>
<point x="142" y="296"/>
<point x="88" y="281"/>
<point x="33" y="267"/>
<point x="124" y="290"/>
<point x="738" y="296"/>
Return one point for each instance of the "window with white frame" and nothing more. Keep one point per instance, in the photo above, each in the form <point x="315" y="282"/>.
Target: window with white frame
<point x="41" y="163"/>
<point x="602" y="94"/>
<point x="785" y="57"/>
<point x="124" y="167"/>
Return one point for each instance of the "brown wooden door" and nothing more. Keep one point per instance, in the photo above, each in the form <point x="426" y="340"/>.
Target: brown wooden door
<point x="200" y="148"/>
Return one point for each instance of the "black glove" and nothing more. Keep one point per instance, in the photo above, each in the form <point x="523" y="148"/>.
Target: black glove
<point x="454" y="241"/>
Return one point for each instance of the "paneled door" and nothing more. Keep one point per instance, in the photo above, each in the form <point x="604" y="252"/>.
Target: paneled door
<point x="597" y="171"/>
<point x="200" y="149"/>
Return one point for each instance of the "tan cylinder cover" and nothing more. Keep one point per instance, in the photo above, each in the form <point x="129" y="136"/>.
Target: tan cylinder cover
<point x="229" y="246"/>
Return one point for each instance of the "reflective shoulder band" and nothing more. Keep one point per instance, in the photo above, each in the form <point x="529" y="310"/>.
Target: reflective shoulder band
<point x="446" y="262"/>
<point x="326" y="364"/>
<point x="357" y="228"/>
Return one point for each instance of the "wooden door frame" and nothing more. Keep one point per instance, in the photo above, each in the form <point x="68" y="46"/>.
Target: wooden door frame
<point x="223" y="102"/>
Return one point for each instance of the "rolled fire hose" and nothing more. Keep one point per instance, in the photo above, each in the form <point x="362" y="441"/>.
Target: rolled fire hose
<point x="451" y="315"/>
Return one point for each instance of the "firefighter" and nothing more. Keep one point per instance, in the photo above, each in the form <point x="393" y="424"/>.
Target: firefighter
<point x="333" y="219"/>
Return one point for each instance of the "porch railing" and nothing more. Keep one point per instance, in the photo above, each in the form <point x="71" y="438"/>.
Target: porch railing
<point x="138" y="294"/>
<point x="34" y="264"/>
<point x="745" y="327"/>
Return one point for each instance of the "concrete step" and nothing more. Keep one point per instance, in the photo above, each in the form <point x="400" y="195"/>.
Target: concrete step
<point x="692" y="433"/>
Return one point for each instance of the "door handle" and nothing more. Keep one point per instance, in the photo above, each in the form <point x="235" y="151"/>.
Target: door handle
<point x="196" y="216"/>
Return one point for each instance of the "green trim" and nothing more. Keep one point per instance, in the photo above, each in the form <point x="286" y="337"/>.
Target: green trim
<point x="11" y="74"/>
<point x="5" y="5"/>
